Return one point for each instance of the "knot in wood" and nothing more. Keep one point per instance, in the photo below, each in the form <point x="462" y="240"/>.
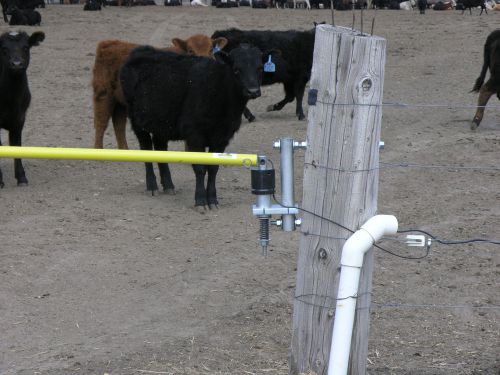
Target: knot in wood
<point x="367" y="84"/>
<point x="323" y="254"/>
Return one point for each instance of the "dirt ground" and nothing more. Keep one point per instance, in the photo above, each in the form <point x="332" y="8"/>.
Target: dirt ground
<point x="97" y="277"/>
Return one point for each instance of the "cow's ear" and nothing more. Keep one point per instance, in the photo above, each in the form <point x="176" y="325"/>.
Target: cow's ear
<point x="36" y="38"/>
<point x="179" y="43"/>
<point x="219" y="43"/>
<point x="223" y="58"/>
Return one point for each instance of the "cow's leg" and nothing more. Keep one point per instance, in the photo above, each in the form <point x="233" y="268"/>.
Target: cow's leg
<point x="146" y="143"/>
<point x="289" y="96"/>
<point x="120" y="126"/>
<point x="200" y="193"/>
<point x="248" y="115"/>
<point x="4" y="11"/>
<point x="15" y="140"/>
<point x="212" y="175"/>
<point x="299" y="95"/>
<point x="1" y="175"/>
<point x="103" y="109"/>
<point x="161" y="144"/>
<point x="484" y="95"/>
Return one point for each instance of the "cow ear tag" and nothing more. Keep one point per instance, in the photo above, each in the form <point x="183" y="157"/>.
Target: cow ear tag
<point x="269" y="66"/>
<point x="216" y="49"/>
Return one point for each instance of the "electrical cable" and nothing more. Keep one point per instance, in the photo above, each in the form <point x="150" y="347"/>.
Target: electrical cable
<point x="351" y="231"/>
<point x="450" y="242"/>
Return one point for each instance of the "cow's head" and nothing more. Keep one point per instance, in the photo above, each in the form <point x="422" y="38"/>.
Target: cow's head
<point x="246" y="62"/>
<point x="199" y="45"/>
<point x="15" y="49"/>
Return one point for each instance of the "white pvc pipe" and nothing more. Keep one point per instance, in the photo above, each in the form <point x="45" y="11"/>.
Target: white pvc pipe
<point x="351" y="262"/>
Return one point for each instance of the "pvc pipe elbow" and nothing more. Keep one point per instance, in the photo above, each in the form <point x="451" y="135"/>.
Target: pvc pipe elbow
<point x="363" y="239"/>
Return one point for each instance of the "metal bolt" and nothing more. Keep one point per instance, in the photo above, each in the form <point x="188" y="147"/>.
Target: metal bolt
<point x="300" y="145"/>
<point x="298" y="222"/>
<point x="277" y="144"/>
<point x="278" y="223"/>
<point x="381" y="145"/>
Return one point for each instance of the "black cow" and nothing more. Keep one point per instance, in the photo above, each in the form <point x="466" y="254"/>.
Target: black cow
<point x="469" y="4"/>
<point x="293" y="69"/>
<point x="422" y="6"/>
<point x="91" y="5"/>
<point x="8" y="5"/>
<point x="492" y="86"/>
<point x="196" y="99"/>
<point x="15" y="95"/>
<point x="28" y="17"/>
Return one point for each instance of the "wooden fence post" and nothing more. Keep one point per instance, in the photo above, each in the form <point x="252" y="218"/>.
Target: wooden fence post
<point x="341" y="184"/>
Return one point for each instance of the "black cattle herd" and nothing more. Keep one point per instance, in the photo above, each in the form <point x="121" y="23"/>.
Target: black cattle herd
<point x="200" y="100"/>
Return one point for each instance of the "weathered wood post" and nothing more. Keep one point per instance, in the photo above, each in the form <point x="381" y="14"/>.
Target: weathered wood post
<point x="341" y="184"/>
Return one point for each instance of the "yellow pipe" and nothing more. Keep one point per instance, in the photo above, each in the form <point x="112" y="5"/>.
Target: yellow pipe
<point x="204" y="158"/>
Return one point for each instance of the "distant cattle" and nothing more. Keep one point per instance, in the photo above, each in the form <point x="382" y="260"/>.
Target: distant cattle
<point x="108" y="96"/>
<point x="491" y="61"/>
<point x="91" y="5"/>
<point x="4" y="5"/>
<point x="422" y="6"/>
<point x="469" y="4"/>
<point x="28" y="17"/>
<point x="15" y="95"/>
<point x="190" y="98"/>
<point x="441" y="5"/>
<point x="292" y="68"/>
<point x="9" y="5"/>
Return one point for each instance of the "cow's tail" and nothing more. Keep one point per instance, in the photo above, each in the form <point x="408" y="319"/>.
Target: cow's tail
<point x="480" y="79"/>
<point x="486" y="64"/>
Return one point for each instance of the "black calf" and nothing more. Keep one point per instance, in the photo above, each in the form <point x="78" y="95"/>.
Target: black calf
<point x="199" y="100"/>
<point x="27" y="17"/>
<point x="15" y="95"/>
<point x="293" y="68"/>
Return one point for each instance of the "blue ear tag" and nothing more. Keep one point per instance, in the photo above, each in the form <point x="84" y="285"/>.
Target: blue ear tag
<point x="216" y="49"/>
<point x="269" y="66"/>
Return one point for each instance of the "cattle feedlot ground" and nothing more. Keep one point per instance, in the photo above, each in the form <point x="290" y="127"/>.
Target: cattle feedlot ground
<point x="98" y="277"/>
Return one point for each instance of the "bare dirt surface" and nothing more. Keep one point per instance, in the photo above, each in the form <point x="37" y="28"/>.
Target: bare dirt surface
<point x="98" y="277"/>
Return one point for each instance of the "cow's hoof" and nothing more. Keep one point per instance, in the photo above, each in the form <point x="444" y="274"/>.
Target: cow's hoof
<point x="251" y="118"/>
<point x="200" y="209"/>
<point x="22" y="183"/>
<point x="2" y="185"/>
<point x="301" y="117"/>
<point x="473" y="126"/>
<point x="213" y="206"/>
<point x="270" y="108"/>
<point x="169" y="191"/>
<point x="152" y="193"/>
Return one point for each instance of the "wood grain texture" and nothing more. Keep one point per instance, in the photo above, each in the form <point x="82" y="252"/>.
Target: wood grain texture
<point x="343" y="139"/>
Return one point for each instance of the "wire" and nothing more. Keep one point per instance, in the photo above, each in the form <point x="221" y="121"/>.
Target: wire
<point x="450" y="242"/>
<point x="406" y="105"/>
<point x="380" y="305"/>
<point x="385" y="165"/>
<point x="351" y="231"/>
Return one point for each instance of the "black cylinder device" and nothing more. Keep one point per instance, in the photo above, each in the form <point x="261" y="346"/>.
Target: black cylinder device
<point x="263" y="181"/>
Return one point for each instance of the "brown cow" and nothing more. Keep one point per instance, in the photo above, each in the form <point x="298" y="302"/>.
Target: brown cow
<point x="108" y="96"/>
<point x="491" y="61"/>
